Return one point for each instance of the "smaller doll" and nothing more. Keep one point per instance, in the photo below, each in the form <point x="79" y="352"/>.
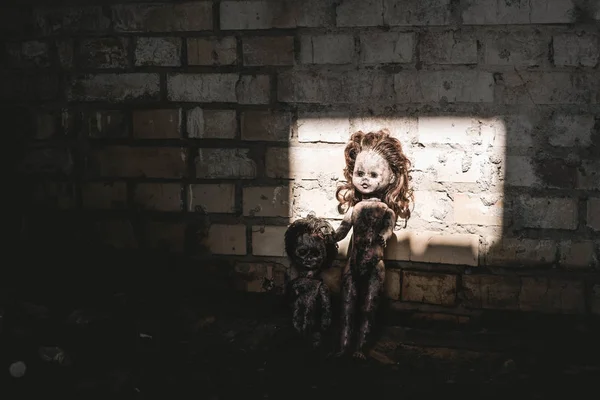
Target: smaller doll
<point x="375" y="195"/>
<point x="311" y="248"/>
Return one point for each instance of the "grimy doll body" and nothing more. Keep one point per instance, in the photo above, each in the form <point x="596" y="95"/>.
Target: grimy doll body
<point x="311" y="248"/>
<point x="375" y="195"/>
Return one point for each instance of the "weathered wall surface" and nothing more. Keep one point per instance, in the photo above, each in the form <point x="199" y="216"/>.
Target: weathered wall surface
<point x="204" y="127"/>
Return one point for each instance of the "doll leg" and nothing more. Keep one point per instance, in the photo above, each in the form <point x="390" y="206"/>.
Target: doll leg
<point x="348" y="304"/>
<point x="372" y="292"/>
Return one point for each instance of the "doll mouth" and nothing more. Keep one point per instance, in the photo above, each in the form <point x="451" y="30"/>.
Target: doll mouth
<point x="365" y="186"/>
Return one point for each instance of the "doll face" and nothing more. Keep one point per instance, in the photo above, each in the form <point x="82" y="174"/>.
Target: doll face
<point x="310" y="251"/>
<point x="371" y="174"/>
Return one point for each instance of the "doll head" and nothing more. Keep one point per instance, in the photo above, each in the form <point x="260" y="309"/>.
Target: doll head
<point x="310" y="243"/>
<point x="376" y="166"/>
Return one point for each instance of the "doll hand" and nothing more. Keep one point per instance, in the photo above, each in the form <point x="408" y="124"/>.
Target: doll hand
<point x="381" y="241"/>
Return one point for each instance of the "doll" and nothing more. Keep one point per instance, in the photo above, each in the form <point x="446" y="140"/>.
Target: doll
<point x="311" y="247"/>
<point x="375" y="194"/>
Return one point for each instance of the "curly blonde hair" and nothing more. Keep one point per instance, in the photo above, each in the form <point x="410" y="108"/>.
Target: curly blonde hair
<point x="398" y="195"/>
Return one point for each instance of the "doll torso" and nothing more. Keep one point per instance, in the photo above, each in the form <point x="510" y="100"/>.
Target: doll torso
<point x="368" y="223"/>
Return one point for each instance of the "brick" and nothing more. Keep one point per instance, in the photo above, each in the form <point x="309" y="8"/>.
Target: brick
<point x="157" y="51"/>
<point x="254" y="89"/>
<point x="157" y="196"/>
<point x="308" y="197"/>
<point x="448" y="48"/>
<point x="571" y="130"/>
<point x="59" y="195"/>
<point x="525" y="124"/>
<point x="104" y="195"/>
<point x="45" y="125"/>
<point x="433" y="206"/>
<point x="450" y="86"/>
<point x="266" y="201"/>
<point x="398" y="246"/>
<point x="416" y="12"/>
<point x="41" y="161"/>
<point x="104" y="124"/>
<point x="114" y="87"/>
<point x="392" y="285"/>
<point x="212" y="198"/>
<point x="179" y="17"/>
<point x="225" y="163"/>
<point x="546" y="212"/>
<point x="593" y="213"/>
<point x="359" y="13"/>
<point x="571" y="50"/>
<point x="327" y="49"/>
<point x="577" y="254"/>
<point x="328" y="127"/>
<point x="521" y="171"/>
<point x="449" y="165"/>
<point x="496" y="12"/>
<point x="115" y="233"/>
<point x="157" y="124"/>
<point x="268" y="241"/>
<point x="478" y="209"/>
<point x="304" y="163"/>
<point x="137" y="162"/>
<point x="434" y="247"/>
<point x="491" y="292"/>
<point x="429" y="288"/>
<point x="28" y="85"/>
<point x="552" y="11"/>
<point x="165" y="236"/>
<point x="521" y="252"/>
<point x="448" y="129"/>
<point x="549" y="88"/>
<point x="266" y="125"/>
<point x="588" y="175"/>
<point x="239" y="15"/>
<point x="227" y="239"/>
<point x="211" y="124"/>
<point x="212" y="51"/>
<point x="548" y="295"/>
<point x="399" y="125"/>
<point x="268" y="50"/>
<point x="595" y="299"/>
<point x="335" y="87"/>
<point x="386" y="47"/>
<point x="260" y="278"/>
<point x="103" y="53"/>
<point x="28" y="54"/>
<point x="66" y="52"/>
<point x="519" y="48"/>
<point x="51" y="20"/>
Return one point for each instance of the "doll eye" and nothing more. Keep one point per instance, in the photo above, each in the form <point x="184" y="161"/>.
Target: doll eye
<point x="360" y="173"/>
<point x="373" y="175"/>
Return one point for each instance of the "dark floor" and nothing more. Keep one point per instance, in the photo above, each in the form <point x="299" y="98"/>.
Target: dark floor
<point x="152" y="345"/>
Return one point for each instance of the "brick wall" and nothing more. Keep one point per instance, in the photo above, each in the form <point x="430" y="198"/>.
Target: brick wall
<point x="204" y="127"/>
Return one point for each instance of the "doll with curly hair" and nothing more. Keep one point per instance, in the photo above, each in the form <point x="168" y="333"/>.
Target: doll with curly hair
<point x="375" y="195"/>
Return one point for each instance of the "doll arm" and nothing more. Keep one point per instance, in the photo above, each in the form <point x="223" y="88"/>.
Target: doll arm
<point x="344" y="227"/>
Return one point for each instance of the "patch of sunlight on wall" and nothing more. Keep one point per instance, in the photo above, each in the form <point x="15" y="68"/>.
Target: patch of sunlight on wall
<point x="458" y="170"/>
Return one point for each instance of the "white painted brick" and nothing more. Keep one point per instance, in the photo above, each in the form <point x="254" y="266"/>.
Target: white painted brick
<point x="571" y="50"/>
<point x="478" y="209"/>
<point x="266" y="125"/>
<point x="550" y="88"/>
<point x="114" y="87"/>
<point x="402" y="127"/>
<point x="211" y="124"/>
<point x="452" y="86"/>
<point x="548" y="213"/>
<point x="305" y="162"/>
<point x="359" y="13"/>
<point x="570" y="130"/>
<point x="490" y="12"/>
<point x="552" y="11"/>
<point x="254" y="89"/>
<point x="436" y="247"/>
<point x="265" y="14"/>
<point x="188" y="16"/>
<point x="448" y="48"/>
<point x="520" y="47"/>
<point x="326" y="49"/>
<point x="212" y="198"/>
<point x="266" y="201"/>
<point x="386" y="47"/>
<point x="588" y="175"/>
<point x="329" y="127"/>
<point x="322" y="202"/>
<point x="442" y="130"/>
<point x="202" y="87"/>
<point x="225" y="163"/>
<point x="578" y="254"/>
<point x="449" y="165"/>
<point x="520" y="171"/>
<point x="433" y="206"/>
<point x="268" y="241"/>
<point x="227" y="239"/>
<point x="509" y="251"/>
<point x="416" y="12"/>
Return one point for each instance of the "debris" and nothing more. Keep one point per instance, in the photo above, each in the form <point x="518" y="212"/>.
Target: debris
<point x="17" y="369"/>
